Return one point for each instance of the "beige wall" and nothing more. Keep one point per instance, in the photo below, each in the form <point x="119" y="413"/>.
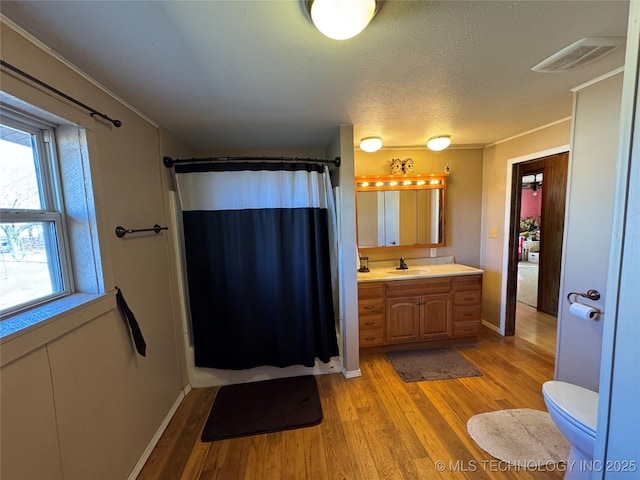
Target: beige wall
<point x="463" y="197"/>
<point x="496" y="159"/>
<point x="85" y="403"/>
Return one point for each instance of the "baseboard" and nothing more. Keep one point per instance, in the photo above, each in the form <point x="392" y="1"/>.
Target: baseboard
<point x="351" y="373"/>
<point x="491" y="326"/>
<point x="156" y="438"/>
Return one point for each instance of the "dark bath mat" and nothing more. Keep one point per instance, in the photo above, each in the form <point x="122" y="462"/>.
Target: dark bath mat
<point x="263" y="407"/>
<point x="438" y="364"/>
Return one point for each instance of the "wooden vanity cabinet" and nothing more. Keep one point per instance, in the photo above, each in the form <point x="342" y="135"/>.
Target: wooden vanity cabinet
<point x="418" y="310"/>
<point x="403" y="320"/>
<point x="405" y="311"/>
<point x="436" y="317"/>
<point x="467" y="305"/>
<point x="371" y="316"/>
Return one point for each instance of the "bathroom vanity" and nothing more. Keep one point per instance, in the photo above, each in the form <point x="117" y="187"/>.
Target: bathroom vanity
<point x="426" y="303"/>
<point x="433" y="300"/>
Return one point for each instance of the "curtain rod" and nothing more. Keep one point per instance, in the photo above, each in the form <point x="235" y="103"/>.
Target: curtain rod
<point x="116" y="123"/>
<point x="170" y="162"/>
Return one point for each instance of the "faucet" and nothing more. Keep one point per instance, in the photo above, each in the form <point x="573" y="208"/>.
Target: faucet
<point x="403" y="265"/>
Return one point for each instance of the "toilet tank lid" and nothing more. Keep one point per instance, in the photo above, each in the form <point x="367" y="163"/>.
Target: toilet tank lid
<point x="576" y="401"/>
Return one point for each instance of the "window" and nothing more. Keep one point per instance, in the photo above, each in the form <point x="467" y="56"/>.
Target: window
<point x="34" y="260"/>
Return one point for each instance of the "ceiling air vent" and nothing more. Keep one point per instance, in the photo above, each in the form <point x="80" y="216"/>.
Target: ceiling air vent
<point x="578" y="54"/>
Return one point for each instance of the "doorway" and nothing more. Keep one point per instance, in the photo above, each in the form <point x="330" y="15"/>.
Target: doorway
<point x="530" y="216"/>
<point x="535" y="244"/>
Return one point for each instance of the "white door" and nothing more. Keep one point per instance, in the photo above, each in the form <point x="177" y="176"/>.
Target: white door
<point x="588" y="227"/>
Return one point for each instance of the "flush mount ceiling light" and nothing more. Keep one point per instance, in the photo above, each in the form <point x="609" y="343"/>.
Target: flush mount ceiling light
<point x="439" y="143"/>
<point x="371" y="144"/>
<point x="341" y="19"/>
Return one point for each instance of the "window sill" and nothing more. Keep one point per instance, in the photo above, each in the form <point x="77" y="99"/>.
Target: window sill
<point x="34" y="328"/>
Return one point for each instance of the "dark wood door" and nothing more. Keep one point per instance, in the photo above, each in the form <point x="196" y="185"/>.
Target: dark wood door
<point x="554" y="193"/>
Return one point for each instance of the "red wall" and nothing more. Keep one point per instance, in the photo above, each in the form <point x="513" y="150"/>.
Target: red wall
<point x="531" y="206"/>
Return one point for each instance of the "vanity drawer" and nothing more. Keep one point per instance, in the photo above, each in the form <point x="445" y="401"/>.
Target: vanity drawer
<point x="465" y="329"/>
<point x="467" y="298"/>
<point x="408" y="288"/>
<point x="467" y="314"/>
<point x="372" y="337"/>
<point x="371" y="307"/>
<point x="467" y="282"/>
<point x="371" y="290"/>
<point x="367" y="322"/>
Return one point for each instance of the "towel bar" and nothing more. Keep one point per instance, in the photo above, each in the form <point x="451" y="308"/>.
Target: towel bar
<point x="121" y="231"/>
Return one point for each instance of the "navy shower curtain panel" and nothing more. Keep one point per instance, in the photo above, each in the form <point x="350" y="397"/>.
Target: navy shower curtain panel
<point x="258" y="264"/>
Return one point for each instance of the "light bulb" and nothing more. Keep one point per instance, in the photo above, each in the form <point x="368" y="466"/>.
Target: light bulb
<point x="342" y="19"/>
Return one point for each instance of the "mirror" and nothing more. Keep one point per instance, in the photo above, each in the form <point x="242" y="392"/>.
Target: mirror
<point x="400" y="211"/>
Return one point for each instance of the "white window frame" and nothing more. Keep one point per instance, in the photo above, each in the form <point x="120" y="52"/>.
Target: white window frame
<point x="50" y="190"/>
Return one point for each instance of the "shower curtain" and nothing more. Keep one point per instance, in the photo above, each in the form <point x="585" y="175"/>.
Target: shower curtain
<point x="260" y="250"/>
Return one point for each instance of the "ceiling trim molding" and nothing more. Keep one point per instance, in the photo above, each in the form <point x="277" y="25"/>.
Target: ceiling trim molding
<point x="598" y="79"/>
<point x="542" y="127"/>
<point x="45" y="48"/>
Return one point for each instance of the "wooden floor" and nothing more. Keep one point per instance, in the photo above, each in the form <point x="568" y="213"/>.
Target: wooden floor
<point x="375" y="426"/>
<point x="536" y="327"/>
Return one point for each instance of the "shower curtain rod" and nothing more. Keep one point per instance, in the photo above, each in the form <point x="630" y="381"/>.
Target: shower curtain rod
<point x="170" y="162"/>
<point x="116" y="123"/>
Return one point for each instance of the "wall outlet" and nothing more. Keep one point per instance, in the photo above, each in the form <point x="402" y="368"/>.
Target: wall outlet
<point x="432" y="252"/>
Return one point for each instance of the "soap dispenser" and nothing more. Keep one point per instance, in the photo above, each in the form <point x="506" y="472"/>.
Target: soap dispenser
<point x="364" y="264"/>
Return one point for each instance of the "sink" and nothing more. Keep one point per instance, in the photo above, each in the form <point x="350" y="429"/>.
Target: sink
<point x="411" y="271"/>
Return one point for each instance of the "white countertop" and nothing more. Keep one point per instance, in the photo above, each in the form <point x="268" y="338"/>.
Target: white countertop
<point x="389" y="273"/>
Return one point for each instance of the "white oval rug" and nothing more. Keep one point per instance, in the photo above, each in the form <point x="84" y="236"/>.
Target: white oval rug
<point x="520" y="436"/>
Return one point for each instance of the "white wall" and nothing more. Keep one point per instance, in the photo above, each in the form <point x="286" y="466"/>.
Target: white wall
<point x="588" y="221"/>
<point x="342" y="145"/>
<point x="618" y="413"/>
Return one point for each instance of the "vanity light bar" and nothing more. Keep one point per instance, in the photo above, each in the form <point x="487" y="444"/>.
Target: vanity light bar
<point x="396" y="183"/>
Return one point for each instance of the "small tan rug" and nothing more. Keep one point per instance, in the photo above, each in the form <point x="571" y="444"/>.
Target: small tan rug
<point x="520" y="436"/>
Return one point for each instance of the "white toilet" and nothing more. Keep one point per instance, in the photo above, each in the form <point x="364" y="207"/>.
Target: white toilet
<point x="574" y="410"/>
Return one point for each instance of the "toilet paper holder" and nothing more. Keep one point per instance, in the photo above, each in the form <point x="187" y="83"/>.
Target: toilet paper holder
<point x="590" y="294"/>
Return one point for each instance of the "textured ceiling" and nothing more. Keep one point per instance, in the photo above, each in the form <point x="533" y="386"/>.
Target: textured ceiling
<point x="235" y="76"/>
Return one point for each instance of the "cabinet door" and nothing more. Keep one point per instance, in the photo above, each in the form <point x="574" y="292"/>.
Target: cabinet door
<point x="436" y="317"/>
<point x="403" y="319"/>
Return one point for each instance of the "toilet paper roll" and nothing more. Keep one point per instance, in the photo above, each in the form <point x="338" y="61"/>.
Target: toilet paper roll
<point x="583" y="311"/>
